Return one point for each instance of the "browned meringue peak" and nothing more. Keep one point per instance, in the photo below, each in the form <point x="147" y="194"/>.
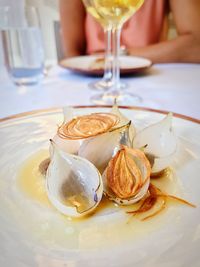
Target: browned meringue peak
<point x="127" y="175"/>
<point x="100" y="149"/>
<point x="88" y="126"/>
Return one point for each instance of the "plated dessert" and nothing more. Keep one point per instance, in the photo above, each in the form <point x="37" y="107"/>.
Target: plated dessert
<point x="102" y="154"/>
<point x="112" y="231"/>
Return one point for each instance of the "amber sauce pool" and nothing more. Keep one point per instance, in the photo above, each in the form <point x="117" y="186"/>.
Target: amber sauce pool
<point x="31" y="181"/>
<point x="92" y="230"/>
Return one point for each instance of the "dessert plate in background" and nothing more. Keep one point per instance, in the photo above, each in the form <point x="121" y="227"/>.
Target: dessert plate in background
<point x="94" y="65"/>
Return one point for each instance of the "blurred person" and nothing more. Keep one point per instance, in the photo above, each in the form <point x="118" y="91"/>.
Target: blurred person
<point x="144" y="34"/>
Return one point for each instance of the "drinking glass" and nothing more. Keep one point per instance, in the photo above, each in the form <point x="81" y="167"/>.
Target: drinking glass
<point x="106" y="81"/>
<point x="22" y="46"/>
<point x="116" y="13"/>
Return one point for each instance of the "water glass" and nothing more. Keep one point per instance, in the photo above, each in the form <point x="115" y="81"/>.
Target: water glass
<point x="22" y="47"/>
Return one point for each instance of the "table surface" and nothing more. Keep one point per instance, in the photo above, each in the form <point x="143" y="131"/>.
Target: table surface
<point x="171" y="87"/>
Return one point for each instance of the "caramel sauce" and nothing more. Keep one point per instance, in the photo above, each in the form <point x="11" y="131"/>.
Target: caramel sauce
<point x="91" y="230"/>
<point x="164" y="173"/>
<point x="31" y="181"/>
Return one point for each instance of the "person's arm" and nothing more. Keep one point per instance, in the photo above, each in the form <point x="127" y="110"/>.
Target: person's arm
<point x="72" y="17"/>
<point x="186" y="46"/>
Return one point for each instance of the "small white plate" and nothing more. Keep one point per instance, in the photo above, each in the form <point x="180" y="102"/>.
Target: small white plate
<point x="35" y="235"/>
<point x="85" y="64"/>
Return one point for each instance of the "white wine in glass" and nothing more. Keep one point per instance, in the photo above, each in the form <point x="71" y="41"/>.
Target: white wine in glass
<point x="106" y="82"/>
<point x="115" y="13"/>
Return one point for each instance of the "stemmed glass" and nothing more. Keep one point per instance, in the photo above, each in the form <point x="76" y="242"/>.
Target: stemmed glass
<point x="115" y="13"/>
<point x="106" y="82"/>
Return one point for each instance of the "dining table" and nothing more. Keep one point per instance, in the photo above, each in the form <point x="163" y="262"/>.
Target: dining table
<point x="33" y="232"/>
<point x="169" y="87"/>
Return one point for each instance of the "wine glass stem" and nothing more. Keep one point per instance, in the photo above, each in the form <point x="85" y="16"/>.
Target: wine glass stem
<point x="116" y="33"/>
<point x="108" y="63"/>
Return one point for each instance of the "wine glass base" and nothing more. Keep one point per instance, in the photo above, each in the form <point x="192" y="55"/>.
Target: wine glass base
<point x="101" y="85"/>
<point x="124" y="98"/>
<point x="104" y="85"/>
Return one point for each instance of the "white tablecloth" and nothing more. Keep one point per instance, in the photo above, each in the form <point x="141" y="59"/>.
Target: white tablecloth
<point x="171" y="87"/>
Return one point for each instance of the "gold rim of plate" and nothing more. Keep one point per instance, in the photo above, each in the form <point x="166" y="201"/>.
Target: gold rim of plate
<point x="56" y="109"/>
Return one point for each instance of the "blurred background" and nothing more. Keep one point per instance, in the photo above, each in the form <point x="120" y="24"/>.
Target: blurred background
<point x="49" y="18"/>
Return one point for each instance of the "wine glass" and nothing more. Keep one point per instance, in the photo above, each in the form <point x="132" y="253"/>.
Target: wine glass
<point x="107" y="81"/>
<point x="115" y="13"/>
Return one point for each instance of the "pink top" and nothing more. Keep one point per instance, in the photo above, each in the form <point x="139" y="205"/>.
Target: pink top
<point x="143" y="28"/>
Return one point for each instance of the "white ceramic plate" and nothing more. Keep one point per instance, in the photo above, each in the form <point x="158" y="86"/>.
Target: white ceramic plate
<point x="35" y="235"/>
<point x="84" y="64"/>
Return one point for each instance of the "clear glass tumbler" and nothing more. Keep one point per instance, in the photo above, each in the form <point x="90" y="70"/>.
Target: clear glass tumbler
<point x="23" y="48"/>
